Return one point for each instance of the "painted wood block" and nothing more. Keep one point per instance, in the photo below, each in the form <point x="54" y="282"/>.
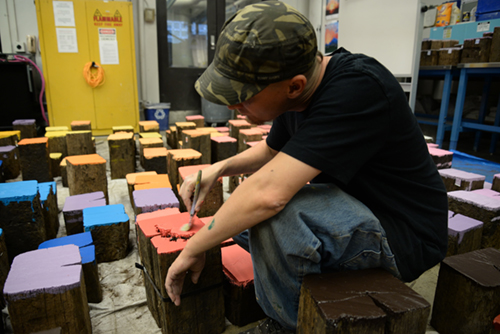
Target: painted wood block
<point x="213" y="200"/>
<point x="197" y="313"/>
<point x="476" y="205"/>
<point x="80" y="143"/>
<point x="4" y="267"/>
<point x="10" y="161"/>
<point x="131" y="179"/>
<point x="50" y="209"/>
<point x="467" y="293"/>
<point x="198" y="140"/>
<point x="455" y="179"/>
<point x="150" y="135"/>
<point x="360" y="301"/>
<point x="123" y="128"/>
<point x="235" y="125"/>
<point x="9" y="137"/>
<point x="152" y="181"/>
<point x="56" y="128"/>
<point x="146" y="229"/>
<point x="155" y="159"/>
<point x="64" y="172"/>
<point x="86" y="174"/>
<point x="45" y="289"/>
<point x="35" y="160"/>
<point x="248" y="135"/>
<point x="149" y="200"/>
<point x="442" y="158"/>
<point x="223" y="147"/>
<point x="148" y="143"/>
<point x="110" y="228"/>
<point x="239" y="292"/>
<point x="496" y="179"/>
<point x="172" y="137"/>
<point x="181" y="126"/>
<point x="73" y="209"/>
<point x="199" y="120"/>
<point x="26" y="126"/>
<point x="89" y="264"/>
<point x="55" y="162"/>
<point x="21" y="216"/>
<point x="464" y="234"/>
<point x="149" y="126"/>
<point x="121" y="154"/>
<point x="180" y="158"/>
<point x="81" y="125"/>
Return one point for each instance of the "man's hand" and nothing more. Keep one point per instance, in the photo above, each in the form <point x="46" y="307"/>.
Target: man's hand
<point x="177" y="272"/>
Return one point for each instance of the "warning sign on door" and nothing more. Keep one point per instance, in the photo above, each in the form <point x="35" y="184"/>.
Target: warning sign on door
<point x="108" y="46"/>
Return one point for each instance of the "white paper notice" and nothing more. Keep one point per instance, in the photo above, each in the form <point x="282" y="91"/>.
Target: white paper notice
<point x="108" y="46"/>
<point x="66" y="40"/>
<point x="64" y="14"/>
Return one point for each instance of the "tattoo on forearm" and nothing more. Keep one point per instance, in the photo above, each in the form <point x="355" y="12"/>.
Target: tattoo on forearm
<point x="211" y="224"/>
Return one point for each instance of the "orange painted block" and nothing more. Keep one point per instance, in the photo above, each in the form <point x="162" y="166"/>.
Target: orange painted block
<point x="35" y="159"/>
<point x="152" y="181"/>
<point x="81" y="125"/>
<point x="155" y="159"/>
<point x="179" y="158"/>
<point x="86" y="174"/>
<point x="235" y="125"/>
<point x="149" y="126"/>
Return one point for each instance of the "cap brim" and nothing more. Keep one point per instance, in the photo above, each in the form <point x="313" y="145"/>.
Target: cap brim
<point x="218" y="89"/>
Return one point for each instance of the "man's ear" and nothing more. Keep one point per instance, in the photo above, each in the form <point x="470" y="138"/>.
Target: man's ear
<point x="296" y="86"/>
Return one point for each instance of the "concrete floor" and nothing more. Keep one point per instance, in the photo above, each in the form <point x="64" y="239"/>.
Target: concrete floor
<point x="124" y="309"/>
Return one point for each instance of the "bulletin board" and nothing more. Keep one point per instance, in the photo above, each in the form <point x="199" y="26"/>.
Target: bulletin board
<point x="387" y="30"/>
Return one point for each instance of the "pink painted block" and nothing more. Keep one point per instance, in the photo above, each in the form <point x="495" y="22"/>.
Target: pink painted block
<point x="441" y="158"/>
<point x="237" y="265"/>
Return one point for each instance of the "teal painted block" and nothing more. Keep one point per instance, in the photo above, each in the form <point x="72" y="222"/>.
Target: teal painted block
<point x="45" y="188"/>
<point x="103" y="216"/>
<point x="21" y="191"/>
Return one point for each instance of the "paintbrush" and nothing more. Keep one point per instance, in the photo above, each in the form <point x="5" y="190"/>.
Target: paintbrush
<point x="187" y="227"/>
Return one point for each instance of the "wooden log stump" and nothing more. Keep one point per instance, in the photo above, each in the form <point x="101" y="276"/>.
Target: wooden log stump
<point x="121" y="154"/>
<point x="9" y="137"/>
<point x="86" y="174"/>
<point x="10" y="161"/>
<point x="179" y="158"/>
<point x="4" y="267"/>
<point x="239" y="291"/>
<point x="223" y="147"/>
<point x="63" y="168"/>
<point x="155" y="159"/>
<point x="248" y="135"/>
<point x="235" y="125"/>
<point x="496" y="183"/>
<point x="495" y="46"/>
<point x="45" y="289"/>
<point x="198" y="140"/>
<point x="149" y="200"/>
<point x="110" y="228"/>
<point x="476" y="50"/>
<point x="81" y="126"/>
<point x="467" y="293"/>
<point x="148" y="143"/>
<point x="172" y="137"/>
<point x="89" y="265"/>
<point x="476" y="205"/>
<point x="123" y="128"/>
<point x="213" y="200"/>
<point x="455" y="179"/>
<point x="26" y="126"/>
<point x="199" y="120"/>
<point x="21" y="217"/>
<point x="73" y="210"/>
<point x="181" y="126"/>
<point x="55" y="162"/>
<point x="131" y="179"/>
<point x="464" y="234"/>
<point x="57" y="142"/>
<point x="196" y="313"/>
<point x="149" y="126"/>
<point x="80" y="143"/>
<point x="35" y="160"/>
<point x="50" y="209"/>
<point x="360" y="301"/>
<point x="146" y="229"/>
<point x="442" y="158"/>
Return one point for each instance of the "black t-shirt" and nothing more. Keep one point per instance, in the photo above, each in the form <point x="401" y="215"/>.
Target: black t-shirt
<point x="361" y="133"/>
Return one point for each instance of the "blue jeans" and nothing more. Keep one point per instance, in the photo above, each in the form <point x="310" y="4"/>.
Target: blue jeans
<point x="322" y="229"/>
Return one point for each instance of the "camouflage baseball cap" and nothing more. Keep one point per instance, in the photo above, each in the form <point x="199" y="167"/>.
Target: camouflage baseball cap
<point x="261" y="44"/>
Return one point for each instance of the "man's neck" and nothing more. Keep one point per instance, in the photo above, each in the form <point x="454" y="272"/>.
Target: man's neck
<point x="307" y="99"/>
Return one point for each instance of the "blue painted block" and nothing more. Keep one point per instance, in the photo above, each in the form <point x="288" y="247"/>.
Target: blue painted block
<point x="88" y="254"/>
<point x="45" y="188"/>
<point x="80" y="239"/>
<point x="103" y="216"/>
<point x="22" y="191"/>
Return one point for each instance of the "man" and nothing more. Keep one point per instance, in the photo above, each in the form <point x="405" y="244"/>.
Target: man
<point x="340" y="122"/>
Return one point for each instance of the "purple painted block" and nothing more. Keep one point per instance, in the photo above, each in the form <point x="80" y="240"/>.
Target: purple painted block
<point x="51" y="270"/>
<point x="459" y="224"/>
<point x="148" y="200"/>
<point x="23" y="122"/>
<point x="488" y="193"/>
<point x="73" y="209"/>
<point x="6" y="149"/>
<point x="459" y="179"/>
<point x="475" y="198"/>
